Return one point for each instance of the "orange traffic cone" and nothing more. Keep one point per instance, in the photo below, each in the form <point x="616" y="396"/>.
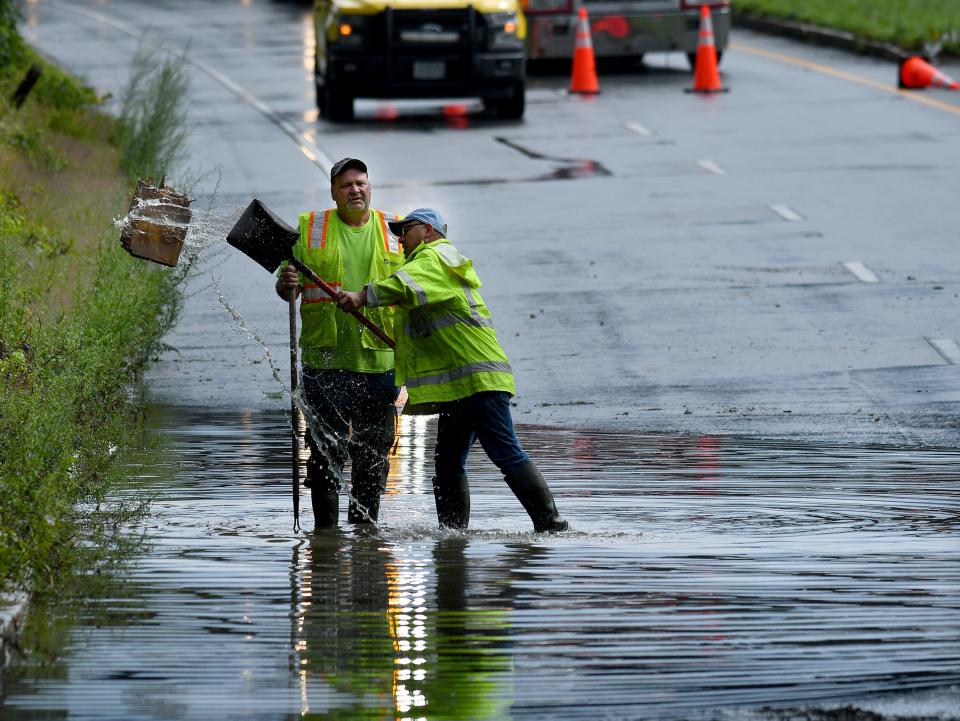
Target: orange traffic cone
<point x="706" y="76"/>
<point x="915" y="72"/>
<point x="584" y="76"/>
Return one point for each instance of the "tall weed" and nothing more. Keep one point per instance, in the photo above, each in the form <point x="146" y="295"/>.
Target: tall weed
<point x="67" y="417"/>
<point x="153" y="115"/>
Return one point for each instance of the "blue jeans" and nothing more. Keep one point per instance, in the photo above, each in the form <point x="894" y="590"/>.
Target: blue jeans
<point x="485" y="417"/>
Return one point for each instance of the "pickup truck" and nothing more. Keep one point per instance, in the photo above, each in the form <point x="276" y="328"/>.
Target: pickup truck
<point x="419" y="49"/>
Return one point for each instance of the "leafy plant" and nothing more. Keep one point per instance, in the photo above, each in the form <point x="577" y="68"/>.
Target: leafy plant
<point x="153" y="116"/>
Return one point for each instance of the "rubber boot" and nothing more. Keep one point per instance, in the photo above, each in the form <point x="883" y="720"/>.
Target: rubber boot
<point x="452" y="496"/>
<point x="364" y="501"/>
<point x="326" y="507"/>
<point x="530" y="488"/>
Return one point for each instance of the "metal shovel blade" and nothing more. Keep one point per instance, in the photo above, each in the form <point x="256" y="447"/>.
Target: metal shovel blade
<point x="263" y="236"/>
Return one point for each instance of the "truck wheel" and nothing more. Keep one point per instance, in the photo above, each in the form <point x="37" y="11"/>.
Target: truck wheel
<point x="320" y="94"/>
<point x="692" y="59"/>
<point x="337" y="105"/>
<point x="509" y="108"/>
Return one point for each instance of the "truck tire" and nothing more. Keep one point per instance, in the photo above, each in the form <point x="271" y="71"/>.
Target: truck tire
<point x="510" y="108"/>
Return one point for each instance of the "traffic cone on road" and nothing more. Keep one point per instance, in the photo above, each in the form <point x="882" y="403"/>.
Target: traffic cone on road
<point x="915" y="72"/>
<point x="706" y="76"/>
<point x="583" y="79"/>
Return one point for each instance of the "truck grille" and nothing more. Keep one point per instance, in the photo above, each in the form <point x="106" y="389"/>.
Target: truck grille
<point x="432" y="46"/>
<point x="432" y="28"/>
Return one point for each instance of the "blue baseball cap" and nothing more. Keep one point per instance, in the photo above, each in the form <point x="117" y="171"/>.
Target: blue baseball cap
<point x="428" y="216"/>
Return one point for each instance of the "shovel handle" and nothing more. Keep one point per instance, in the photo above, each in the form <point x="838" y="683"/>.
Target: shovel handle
<point x="294" y="416"/>
<point x="369" y="324"/>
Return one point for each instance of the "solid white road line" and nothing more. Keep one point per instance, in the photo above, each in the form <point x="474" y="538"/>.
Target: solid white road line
<point x="310" y="150"/>
<point x="861" y="272"/>
<point x="948" y="348"/>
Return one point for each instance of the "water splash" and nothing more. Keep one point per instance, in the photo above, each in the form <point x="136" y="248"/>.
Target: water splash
<point x="307" y="420"/>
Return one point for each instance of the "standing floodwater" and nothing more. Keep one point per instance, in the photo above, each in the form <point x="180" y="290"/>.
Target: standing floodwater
<point x="706" y="576"/>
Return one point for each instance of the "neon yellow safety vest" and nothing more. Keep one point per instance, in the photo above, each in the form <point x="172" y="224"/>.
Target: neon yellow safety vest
<point x="319" y="248"/>
<point x="446" y="345"/>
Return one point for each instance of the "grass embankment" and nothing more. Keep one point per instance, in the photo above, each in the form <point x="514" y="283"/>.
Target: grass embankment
<point x="79" y="318"/>
<point x="916" y="25"/>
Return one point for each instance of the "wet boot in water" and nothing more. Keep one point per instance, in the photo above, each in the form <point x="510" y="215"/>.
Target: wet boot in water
<point x="452" y="496"/>
<point x="365" y="497"/>
<point x="326" y="507"/>
<point x="530" y="488"/>
<point x="324" y="496"/>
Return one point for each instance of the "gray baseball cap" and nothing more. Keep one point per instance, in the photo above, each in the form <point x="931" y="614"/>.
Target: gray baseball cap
<point x="428" y="216"/>
<point x="346" y="164"/>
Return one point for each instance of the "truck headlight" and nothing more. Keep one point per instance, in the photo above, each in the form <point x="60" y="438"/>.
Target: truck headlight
<point x="504" y="31"/>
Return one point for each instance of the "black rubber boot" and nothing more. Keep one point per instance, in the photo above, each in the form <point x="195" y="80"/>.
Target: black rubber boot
<point x="452" y="496"/>
<point x="364" y="501"/>
<point x="530" y="488"/>
<point x="326" y="507"/>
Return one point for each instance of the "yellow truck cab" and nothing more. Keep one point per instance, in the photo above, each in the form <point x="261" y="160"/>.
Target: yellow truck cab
<point x="419" y="49"/>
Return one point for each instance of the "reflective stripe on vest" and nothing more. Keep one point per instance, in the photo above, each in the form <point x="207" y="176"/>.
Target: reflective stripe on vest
<point x="312" y="293"/>
<point x="389" y="242"/>
<point x="446" y="321"/>
<point x="405" y="278"/>
<point x="457" y="373"/>
<point x="312" y="242"/>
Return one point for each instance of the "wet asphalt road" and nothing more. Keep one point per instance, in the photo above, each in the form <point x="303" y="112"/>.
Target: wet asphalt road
<point x="654" y="260"/>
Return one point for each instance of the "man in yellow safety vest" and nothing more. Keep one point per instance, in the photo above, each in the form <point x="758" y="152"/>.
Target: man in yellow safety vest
<point x="450" y="360"/>
<point x="348" y="373"/>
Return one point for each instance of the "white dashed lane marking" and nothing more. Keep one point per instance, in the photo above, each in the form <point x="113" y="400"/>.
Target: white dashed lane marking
<point x="786" y="213"/>
<point x="711" y="167"/>
<point x="861" y="272"/>
<point x="638" y="129"/>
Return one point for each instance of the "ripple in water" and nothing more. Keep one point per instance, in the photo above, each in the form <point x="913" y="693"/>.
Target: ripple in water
<point x="705" y="578"/>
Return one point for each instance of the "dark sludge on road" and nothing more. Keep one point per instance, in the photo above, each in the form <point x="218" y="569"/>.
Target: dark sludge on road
<point x="706" y="577"/>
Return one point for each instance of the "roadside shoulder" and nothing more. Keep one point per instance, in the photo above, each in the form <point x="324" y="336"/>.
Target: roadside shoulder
<point x="13" y="609"/>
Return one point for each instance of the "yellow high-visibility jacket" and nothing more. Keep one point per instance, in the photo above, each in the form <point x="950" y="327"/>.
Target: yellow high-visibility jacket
<point x="446" y="345"/>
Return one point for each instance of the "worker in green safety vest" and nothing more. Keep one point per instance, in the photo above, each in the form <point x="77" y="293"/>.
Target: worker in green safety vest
<point x="449" y="358"/>
<point x="347" y="372"/>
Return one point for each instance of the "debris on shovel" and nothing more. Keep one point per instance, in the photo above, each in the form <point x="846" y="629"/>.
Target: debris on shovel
<point x="156" y="224"/>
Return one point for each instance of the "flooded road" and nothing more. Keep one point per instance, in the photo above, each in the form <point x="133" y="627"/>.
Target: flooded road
<point x="706" y="577"/>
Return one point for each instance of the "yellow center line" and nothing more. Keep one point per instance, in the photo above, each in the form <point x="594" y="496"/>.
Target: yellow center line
<point x="859" y="79"/>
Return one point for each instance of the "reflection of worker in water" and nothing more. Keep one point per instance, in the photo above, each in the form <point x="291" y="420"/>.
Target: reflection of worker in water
<point x="451" y="362"/>
<point x="348" y="373"/>
<point x="384" y="632"/>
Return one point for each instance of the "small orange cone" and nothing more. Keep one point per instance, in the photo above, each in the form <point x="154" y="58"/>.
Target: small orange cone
<point x="706" y="76"/>
<point x="915" y="72"/>
<point x="584" y="76"/>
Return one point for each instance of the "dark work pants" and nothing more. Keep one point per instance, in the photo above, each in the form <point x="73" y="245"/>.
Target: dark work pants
<point x="341" y="402"/>
<point x="485" y="417"/>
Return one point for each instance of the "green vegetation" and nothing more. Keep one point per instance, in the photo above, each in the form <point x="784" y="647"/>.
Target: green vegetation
<point x="909" y="24"/>
<point x="79" y="318"/>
